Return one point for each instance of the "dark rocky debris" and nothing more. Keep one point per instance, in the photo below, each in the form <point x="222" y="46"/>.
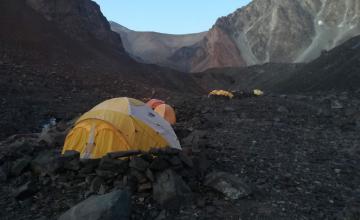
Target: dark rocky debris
<point x="272" y="157"/>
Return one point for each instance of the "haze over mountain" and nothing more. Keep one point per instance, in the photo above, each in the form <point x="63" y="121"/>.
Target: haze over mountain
<point x="153" y="47"/>
<point x="284" y="31"/>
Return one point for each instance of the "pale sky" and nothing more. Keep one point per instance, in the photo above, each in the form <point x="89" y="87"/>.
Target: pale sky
<point x="168" y="16"/>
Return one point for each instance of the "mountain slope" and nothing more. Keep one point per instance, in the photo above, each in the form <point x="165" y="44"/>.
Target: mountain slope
<point x="274" y="31"/>
<point x="337" y="69"/>
<point x="153" y="47"/>
<point x="50" y="68"/>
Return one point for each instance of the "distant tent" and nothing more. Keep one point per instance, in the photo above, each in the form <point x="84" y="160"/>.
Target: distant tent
<point x="221" y="93"/>
<point x="167" y="112"/>
<point x="119" y="124"/>
<point x="258" y="92"/>
<point x="153" y="103"/>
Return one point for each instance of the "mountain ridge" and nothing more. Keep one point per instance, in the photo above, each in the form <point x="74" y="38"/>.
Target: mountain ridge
<point x="153" y="47"/>
<point x="280" y="31"/>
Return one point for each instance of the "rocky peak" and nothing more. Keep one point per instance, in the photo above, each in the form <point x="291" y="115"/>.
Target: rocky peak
<point x="291" y="30"/>
<point x="81" y="19"/>
<point x="281" y="31"/>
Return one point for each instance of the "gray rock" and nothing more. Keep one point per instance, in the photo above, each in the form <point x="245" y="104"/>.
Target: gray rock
<point x="96" y="183"/>
<point x="88" y="166"/>
<point x="71" y="154"/>
<point x="231" y="186"/>
<point x="159" y="164"/>
<point x="46" y="162"/>
<point x="115" y="165"/>
<point x="3" y="175"/>
<point x="202" y="163"/>
<point x="282" y="109"/>
<point x="144" y="187"/>
<point x="175" y="161"/>
<point x="193" y="139"/>
<point x="106" y="174"/>
<point x="25" y="191"/>
<point x="149" y="174"/>
<point x="139" y="164"/>
<point x="164" y="151"/>
<point x="121" y="154"/>
<point x="170" y="190"/>
<point x="72" y="165"/>
<point x="335" y="104"/>
<point x="140" y="177"/>
<point x="186" y="159"/>
<point x="20" y="165"/>
<point x="350" y="213"/>
<point x="114" y="205"/>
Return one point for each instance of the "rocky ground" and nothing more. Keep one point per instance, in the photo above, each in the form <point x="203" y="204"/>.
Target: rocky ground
<point x="272" y="157"/>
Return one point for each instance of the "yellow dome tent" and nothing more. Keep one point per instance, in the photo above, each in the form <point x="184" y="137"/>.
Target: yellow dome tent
<point x="221" y="93"/>
<point x="119" y="124"/>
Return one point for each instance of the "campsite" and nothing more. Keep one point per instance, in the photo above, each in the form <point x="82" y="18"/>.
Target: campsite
<point x="255" y="115"/>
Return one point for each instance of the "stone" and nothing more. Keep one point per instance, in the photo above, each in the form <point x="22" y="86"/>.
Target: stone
<point x="169" y="151"/>
<point x="164" y="151"/>
<point x="3" y="175"/>
<point x="96" y="183"/>
<point x="130" y="182"/>
<point x="102" y="190"/>
<point x="47" y="162"/>
<point x="88" y="165"/>
<point x="115" y="165"/>
<point x="72" y="165"/>
<point x="229" y="109"/>
<point x="121" y="154"/>
<point x="159" y="164"/>
<point x="140" y="177"/>
<point x="202" y="163"/>
<point x="162" y="215"/>
<point x="71" y="154"/>
<point x="20" y="165"/>
<point x="193" y="139"/>
<point x="229" y="185"/>
<point x="282" y="109"/>
<point x="25" y="191"/>
<point x="186" y="159"/>
<point x="106" y="174"/>
<point x="170" y="190"/>
<point x="149" y="174"/>
<point x="335" y="104"/>
<point x="139" y="164"/>
<point x="175" y="161"/>
<point x="350" y="213"/>
<point x="114" y="205"/>
<point x="144" y="187"/>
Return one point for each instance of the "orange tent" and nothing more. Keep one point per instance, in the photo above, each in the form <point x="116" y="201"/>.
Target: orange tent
<point x="167" y="112"/>
<point x="153" y="103"/>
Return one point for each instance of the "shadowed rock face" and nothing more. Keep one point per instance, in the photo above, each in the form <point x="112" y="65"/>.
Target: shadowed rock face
<point x="81" y="19"/>
<point x="279" y="31"/>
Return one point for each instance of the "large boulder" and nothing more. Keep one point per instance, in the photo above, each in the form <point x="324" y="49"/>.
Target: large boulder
<point x="231" y="186"/>
<point x="170" y="190"/>
<point x="47" y="162"/>
<point x="20" y="165"/>
<point x="114" y="205"/>
<point x="139" y="164"/>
